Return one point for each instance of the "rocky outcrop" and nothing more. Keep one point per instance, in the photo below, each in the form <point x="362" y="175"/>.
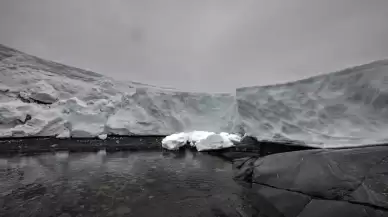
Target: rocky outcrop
<point x="321" y="183"/>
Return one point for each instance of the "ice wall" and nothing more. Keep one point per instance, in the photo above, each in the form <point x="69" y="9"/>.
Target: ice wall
<point x="345" y="108"/>
<point x="43" y="98"/>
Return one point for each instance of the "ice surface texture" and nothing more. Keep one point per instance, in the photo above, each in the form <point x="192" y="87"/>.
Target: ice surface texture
<point x="43" y="98"/>
<point x="346" y="108"/>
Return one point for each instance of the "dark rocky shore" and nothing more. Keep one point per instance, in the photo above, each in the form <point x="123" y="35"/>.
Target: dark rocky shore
<point x="317" y="183"/>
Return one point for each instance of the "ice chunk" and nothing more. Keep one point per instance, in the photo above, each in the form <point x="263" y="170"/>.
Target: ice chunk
<point x="86" y="124"/>
<point x="83" y="130"/>
<point x="72" y="105"/>
<point x="102" y="136"/>
<point x="195" y="136"/>
<point x="41" y="92"/>
<point x="232" y="137"/>
<point x="119" y="123"/>
<point x="175" y="141"/>
<point x="202" y="140"/>
<point x="14" y="112"/>
<point x="39" y="125"/>
<point x="47" y="122"/>
<point x="64" y="134"/>
<point x="213" y="142"/>
<point x="53" y="126"/>
<point x="29" y="119"/>
<point x="103" y="105"/>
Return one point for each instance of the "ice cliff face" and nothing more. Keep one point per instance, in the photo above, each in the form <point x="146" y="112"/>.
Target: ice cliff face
<point x="43" y="98"/>
<point x="346" y="108"/>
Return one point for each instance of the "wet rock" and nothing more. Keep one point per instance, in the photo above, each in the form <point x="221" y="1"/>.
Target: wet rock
<point x="343" y="182"/>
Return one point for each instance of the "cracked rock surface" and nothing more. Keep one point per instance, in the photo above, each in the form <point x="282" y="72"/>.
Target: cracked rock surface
<point x="317" y="182"/>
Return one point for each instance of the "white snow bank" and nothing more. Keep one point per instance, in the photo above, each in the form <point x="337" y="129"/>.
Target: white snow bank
<point x="213" y="142"/>
<point x="103" y="136"/>
<point x="175" y="141"/>
<point x="72" y="105"/>
<point x="202" y="140"/>
<point x="232" y="137"/>
<point x="195" y="136"/>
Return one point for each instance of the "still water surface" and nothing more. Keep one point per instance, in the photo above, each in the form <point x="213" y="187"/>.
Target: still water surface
<point x="162" y="184"/>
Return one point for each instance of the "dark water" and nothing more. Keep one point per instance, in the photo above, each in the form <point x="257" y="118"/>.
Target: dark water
<point x="140" y="184"/>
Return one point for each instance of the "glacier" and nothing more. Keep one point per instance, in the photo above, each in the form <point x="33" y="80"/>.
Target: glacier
<point x="341" y="109"/>
<point x="41" y="98"/>
<point x="44" y="98"/>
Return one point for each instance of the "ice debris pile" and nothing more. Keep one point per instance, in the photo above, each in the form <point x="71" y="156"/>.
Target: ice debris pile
<point x="201" y="140"/>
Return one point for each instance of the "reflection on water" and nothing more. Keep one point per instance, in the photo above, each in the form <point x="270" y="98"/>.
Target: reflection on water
<point x="119" y="184"/>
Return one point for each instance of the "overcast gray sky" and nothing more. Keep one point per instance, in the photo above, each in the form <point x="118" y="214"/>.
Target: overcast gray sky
<point x="200" y="45"/>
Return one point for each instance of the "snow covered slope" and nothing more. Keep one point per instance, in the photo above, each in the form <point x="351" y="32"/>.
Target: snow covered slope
<point x="43" y="98"/>
<point x="346" y="108"/>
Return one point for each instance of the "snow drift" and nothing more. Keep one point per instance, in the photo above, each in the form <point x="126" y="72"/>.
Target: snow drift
<point x="43" y="98"/>
<point x="346" y="108"/>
